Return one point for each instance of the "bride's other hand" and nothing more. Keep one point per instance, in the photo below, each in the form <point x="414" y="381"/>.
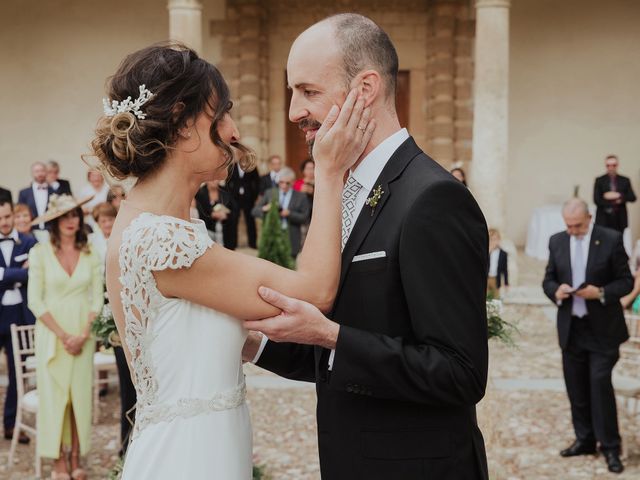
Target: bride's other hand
<point x="343" y="136"/>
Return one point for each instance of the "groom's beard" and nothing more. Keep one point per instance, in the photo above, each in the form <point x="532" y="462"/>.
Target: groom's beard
<point x="309" y="123"/>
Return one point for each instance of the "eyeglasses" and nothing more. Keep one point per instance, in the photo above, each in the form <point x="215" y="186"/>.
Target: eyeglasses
<point x="282" y="182"/>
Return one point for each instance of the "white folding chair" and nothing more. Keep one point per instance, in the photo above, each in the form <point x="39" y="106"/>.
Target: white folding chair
<point x="22" y="341"/>
<point x="102" y="362"/>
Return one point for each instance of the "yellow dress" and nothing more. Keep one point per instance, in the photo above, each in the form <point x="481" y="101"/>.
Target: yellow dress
<point x="63" y="379"/>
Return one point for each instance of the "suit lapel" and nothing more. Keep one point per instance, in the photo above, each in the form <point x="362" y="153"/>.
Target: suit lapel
<point x="565" y="254"/>
<point x="392" y="170"/>
<point x="594" y="244"/>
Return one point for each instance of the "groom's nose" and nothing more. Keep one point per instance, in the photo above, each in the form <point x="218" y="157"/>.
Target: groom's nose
<point x="297" y="111"/>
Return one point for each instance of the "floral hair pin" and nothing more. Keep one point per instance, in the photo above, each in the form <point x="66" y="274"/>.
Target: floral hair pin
<point x="375" y="197"/>
<point x="127" y="105"/>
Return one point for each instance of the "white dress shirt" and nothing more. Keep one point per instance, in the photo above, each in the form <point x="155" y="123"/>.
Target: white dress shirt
<point x="13" y="296"/>
<point x="586" y="241"/>
<point x="366" y="174"/>
<point x="494" y="256"/>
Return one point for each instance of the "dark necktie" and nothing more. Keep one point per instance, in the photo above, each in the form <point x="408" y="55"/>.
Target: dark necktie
<point x="613" y="183"/>
<point x="6" y="239"/>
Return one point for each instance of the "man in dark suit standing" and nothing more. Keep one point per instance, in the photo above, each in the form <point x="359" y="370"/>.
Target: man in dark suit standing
<point x="36" y="196"/>
<point x="14" y="252"/>
<point x="402" y="363"/>
<point x="6" y="195"/>
<point x="244" y="187"/>
<point x="586" y="276"/>
<point x="611" y="193"/>
<point x="294" y="208"/>
<point x="270" y="180"/>
<point x="57" y="184"/>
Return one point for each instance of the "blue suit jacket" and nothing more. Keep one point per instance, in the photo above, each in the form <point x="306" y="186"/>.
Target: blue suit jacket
<point x="14" y="273"/>
<point x="26" y="196"/>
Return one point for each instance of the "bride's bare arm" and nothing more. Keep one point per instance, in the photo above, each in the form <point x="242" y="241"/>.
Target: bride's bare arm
<point x="228" y="281"/>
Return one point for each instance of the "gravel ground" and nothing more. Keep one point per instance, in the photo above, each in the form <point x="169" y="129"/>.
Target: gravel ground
<point x="524" y="429"/>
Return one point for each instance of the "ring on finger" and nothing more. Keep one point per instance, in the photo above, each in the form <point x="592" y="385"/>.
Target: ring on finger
<point x="361" y="128"/>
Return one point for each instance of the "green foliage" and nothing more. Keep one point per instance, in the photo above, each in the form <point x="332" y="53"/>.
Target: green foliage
<point x="116" y="471"/>
<point x="104" y="328"/>
<point x="274" y="244"/>
<point x="259" y="473"/>
<point x="496" y="325"/>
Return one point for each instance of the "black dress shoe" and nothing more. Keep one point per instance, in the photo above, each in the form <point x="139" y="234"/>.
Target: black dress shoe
<point x="23" y="438"/>
<point x="579" y="448"/>
<point x="613" y="461"/>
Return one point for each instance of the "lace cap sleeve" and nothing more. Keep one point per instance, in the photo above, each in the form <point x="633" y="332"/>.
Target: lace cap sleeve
<point x="166" y="242"/>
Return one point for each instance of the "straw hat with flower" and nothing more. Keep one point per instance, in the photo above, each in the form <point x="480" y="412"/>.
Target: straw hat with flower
<point x="59" y="205"/>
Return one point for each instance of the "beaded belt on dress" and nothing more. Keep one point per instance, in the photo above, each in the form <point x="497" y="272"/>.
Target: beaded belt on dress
<point x="189" y="407"/>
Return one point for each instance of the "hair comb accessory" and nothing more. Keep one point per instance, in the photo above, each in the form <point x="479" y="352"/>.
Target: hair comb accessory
<point x="115" y="107"/>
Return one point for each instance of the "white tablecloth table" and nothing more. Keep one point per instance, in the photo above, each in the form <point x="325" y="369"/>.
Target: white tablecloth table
<point x="546" y="221"/>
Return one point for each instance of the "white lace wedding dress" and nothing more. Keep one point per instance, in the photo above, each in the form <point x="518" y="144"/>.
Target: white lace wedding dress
<point x="191" y="419"/>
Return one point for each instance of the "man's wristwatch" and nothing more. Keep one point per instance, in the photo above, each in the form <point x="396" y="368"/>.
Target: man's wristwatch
<point x="601" y="290"/>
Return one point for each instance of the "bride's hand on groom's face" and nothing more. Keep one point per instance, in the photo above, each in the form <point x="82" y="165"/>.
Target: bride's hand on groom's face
<point x="343" y="136"/>
<point x="299" y="322"/>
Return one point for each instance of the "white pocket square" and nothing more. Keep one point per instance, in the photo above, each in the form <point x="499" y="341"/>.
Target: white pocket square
<point x="369" y="256"/>
<point x="21" y="258"/>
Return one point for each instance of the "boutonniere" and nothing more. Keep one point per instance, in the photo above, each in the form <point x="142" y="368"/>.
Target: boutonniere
<point x="597" y="242"/>
<point x="375" y="197"/>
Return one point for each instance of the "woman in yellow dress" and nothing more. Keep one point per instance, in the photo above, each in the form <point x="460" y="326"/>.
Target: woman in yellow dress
<point x="65" y="294"/>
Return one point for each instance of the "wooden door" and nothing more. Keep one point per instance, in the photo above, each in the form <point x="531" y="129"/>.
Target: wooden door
<point x="297" y="150"/>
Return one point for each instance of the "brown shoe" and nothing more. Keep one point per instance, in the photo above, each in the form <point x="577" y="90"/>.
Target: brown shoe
<point x="23" y="438"/>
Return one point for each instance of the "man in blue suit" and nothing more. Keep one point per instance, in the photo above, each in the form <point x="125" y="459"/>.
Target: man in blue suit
<point x="37" y="194"/>
<point x="14" y="252"/>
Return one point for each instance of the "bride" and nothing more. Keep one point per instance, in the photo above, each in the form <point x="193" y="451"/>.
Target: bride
<point x="177" y="296"/>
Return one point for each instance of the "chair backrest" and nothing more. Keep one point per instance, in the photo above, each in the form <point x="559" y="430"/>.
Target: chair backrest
<point x="633" y="324"/>
<point x="23" y="343"/>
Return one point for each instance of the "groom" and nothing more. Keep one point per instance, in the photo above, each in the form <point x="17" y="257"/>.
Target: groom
<point x="403" y="362"/>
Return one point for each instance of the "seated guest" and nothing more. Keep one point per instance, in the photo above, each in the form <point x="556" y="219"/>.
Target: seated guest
<point x="36" y="196"/>
<point x="115" y="196"/>
<point x="104" y="214"/>
<point x="65" y="294"/>
<point x="498" y="270"/>
<point x="218" y="209"/>
<point x="459" y="174"/>
<point x="22" y="218"/>
<point x="294" y="207"/>
<point x="6" y="195"/>
<point x="14" y="251"/>
<point x="57" y="184"/>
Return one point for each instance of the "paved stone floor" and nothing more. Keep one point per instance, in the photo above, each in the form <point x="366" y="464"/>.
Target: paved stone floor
<point x="524" y="416"/>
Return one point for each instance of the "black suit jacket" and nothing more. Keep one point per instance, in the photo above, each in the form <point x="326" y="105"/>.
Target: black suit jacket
<point x="503" y="270"/>
<point x="26" y="196"/>
<point x="203" y="204"/>
<point x="250" y="182"/>
<point x="411" y="356"/>
<point x="299" y="210"/>
<point x="266" y="183"/>
<point x="607" y="267"/>
<point x="63" y="187"/>
<point x="606" y="207"/>
<point x="6" y="194"/>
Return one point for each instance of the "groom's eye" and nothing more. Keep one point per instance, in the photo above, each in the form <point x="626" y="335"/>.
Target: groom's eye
<point x="309" y="93"/>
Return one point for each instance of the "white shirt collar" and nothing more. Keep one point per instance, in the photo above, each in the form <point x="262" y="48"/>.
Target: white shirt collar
<point x="13" y="234"/>
<point x="586" y="236"/>
<point x="371" y="166"/>
<point x="35" y="185"/>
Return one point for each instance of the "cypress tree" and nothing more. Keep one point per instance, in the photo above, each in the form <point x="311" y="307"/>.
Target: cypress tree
<point x="274" y="243"/>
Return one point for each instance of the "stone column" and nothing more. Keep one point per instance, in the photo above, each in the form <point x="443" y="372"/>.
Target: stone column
<point x="488" y="173"/>
<point x="185" y="22"/>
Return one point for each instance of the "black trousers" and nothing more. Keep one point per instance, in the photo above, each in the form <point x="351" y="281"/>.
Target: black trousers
<point x="10" y="314"/>
<point x="127" y="399"/>
<point x="612" y="220"/>
<point x="587" y="364"/>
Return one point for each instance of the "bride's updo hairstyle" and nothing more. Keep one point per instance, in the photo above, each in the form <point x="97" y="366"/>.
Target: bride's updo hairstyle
<point x="182" y="86"/>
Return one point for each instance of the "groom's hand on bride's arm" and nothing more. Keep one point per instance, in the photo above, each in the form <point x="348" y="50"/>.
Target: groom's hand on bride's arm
<point x="299" y="322"/>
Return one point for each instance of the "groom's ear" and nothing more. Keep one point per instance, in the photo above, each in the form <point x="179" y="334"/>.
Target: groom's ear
<point x="369" y="86"/>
